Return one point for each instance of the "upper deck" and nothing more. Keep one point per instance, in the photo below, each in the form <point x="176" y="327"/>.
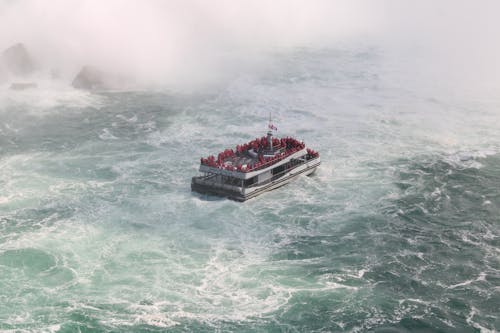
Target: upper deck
<point x="255" y="156"/>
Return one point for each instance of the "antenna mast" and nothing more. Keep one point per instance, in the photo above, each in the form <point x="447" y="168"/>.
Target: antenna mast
<point x="270" y="133"/>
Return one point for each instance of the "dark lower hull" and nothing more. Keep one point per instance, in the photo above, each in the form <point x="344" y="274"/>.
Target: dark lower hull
<point x="204" y="189"/>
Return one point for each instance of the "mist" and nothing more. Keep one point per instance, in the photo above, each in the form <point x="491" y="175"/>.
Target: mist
<point x="196" y="43"/>
<point x="173" y="42"/>
<point x="447" y="45"/>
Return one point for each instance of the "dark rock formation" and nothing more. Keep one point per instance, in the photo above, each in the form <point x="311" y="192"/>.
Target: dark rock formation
<point x="88" y="78"/>
<point x="16" y="60"/>
<point x="91" y="78"/>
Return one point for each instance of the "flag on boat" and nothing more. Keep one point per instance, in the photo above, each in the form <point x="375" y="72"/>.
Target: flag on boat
<point x="272" y="127"/>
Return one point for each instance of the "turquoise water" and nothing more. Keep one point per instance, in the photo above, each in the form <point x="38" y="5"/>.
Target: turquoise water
<point x="398" y="231"/>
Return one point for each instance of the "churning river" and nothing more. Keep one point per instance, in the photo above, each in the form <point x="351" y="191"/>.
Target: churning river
<point x="397" y="231"/>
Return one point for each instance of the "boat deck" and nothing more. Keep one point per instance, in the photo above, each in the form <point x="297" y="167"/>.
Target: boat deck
<point x="255" y="154"/>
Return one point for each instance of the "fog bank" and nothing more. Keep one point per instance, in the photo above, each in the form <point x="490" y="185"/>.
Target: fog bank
<point x="191" y="43"/>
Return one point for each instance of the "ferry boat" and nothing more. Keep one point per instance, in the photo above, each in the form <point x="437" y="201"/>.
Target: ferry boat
<point x="253" y="168"/>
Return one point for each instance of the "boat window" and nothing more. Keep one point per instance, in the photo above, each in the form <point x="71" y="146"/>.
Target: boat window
<point x="278" y="169"/>
<point x="250" y="181"/>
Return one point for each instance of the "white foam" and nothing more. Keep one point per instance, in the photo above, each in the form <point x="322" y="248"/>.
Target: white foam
<point x="361" y="273"/>
<point x="106" y="135"/>
<point x="132" y="119"/>
<point x="436" y="194"/>
<point x="481" y="277"/>
<point x="154" y="319"/>
<point x="470" y="321"/>
<point x="415" y="300"/>
<point x="469" y="159"/>
<point x="48" y="97"/>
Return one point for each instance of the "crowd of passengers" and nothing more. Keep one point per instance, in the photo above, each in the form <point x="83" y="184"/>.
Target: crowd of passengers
<point x="259" y="146"/>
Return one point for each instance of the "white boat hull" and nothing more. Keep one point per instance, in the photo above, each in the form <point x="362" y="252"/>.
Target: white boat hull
<point x="243" y="194"/>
